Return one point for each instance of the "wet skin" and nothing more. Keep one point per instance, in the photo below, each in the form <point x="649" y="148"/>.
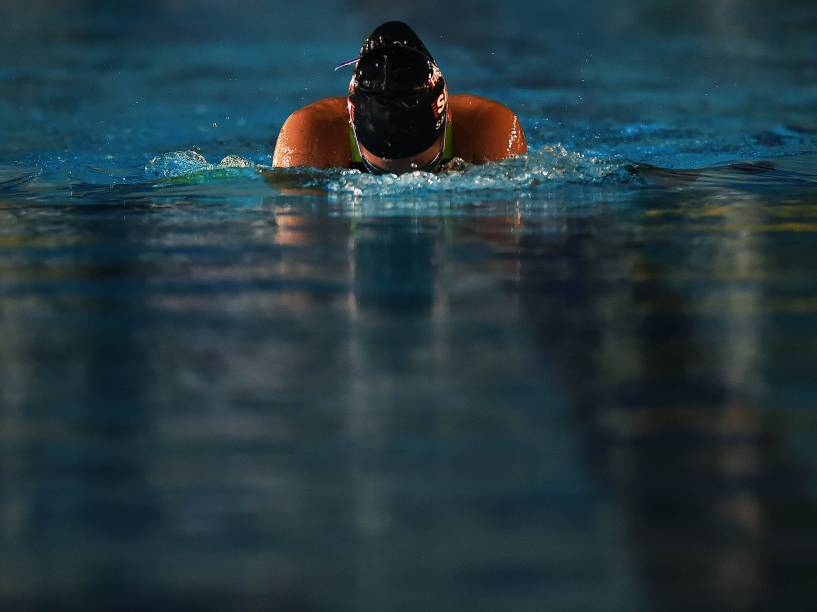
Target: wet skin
<point x="317" y="135"/>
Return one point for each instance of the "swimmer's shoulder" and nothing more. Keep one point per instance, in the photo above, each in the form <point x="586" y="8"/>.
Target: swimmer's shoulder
<point x="316" y="135"/>
<point x="484" y="129"/>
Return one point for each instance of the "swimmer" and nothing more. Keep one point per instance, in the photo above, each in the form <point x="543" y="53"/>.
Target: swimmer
<point x="398" y="116"/>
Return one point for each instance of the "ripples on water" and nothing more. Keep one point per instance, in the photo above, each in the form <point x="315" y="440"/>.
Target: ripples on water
<point x="582" y="379"/>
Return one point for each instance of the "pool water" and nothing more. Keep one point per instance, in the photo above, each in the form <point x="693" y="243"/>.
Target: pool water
<point x="579" y="380"/>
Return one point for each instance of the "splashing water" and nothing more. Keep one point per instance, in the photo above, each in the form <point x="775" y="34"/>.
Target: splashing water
<point x="550" y="165"/>
<point x="186" y="163"/>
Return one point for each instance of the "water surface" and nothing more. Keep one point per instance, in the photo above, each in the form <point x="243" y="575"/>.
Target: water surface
<point x="582" y="380"/>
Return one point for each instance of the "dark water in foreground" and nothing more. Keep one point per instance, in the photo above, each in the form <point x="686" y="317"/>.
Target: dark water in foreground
<point x="580" y="381"/>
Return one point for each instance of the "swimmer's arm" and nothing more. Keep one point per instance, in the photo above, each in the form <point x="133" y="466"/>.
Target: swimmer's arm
<point x="316" y="135"/>
<point x="485" y="130"/>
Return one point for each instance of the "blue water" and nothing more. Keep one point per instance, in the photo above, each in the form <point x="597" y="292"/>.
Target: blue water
<point x="578" y="380"/>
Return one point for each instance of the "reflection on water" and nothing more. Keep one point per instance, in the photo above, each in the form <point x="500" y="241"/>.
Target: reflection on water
<point x="582" y="380"/>
<point x="667" y="347"/>
<point x="566" y="406"/>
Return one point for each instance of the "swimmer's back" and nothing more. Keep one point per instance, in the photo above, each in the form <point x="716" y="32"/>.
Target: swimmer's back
<point x="317" y="135"/>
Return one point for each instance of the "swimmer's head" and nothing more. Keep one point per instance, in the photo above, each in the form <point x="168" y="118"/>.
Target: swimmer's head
<point x="398" y="102"/>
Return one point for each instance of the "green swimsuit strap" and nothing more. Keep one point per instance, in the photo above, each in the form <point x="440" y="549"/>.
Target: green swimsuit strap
<point x="448" y="150"/>
<point x="356" y="158"/>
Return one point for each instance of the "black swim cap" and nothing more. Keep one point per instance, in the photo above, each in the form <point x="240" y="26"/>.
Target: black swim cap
<point x="397" y="97"/>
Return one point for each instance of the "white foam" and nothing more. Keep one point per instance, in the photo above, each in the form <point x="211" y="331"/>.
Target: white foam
<point x="549" y="165"/>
